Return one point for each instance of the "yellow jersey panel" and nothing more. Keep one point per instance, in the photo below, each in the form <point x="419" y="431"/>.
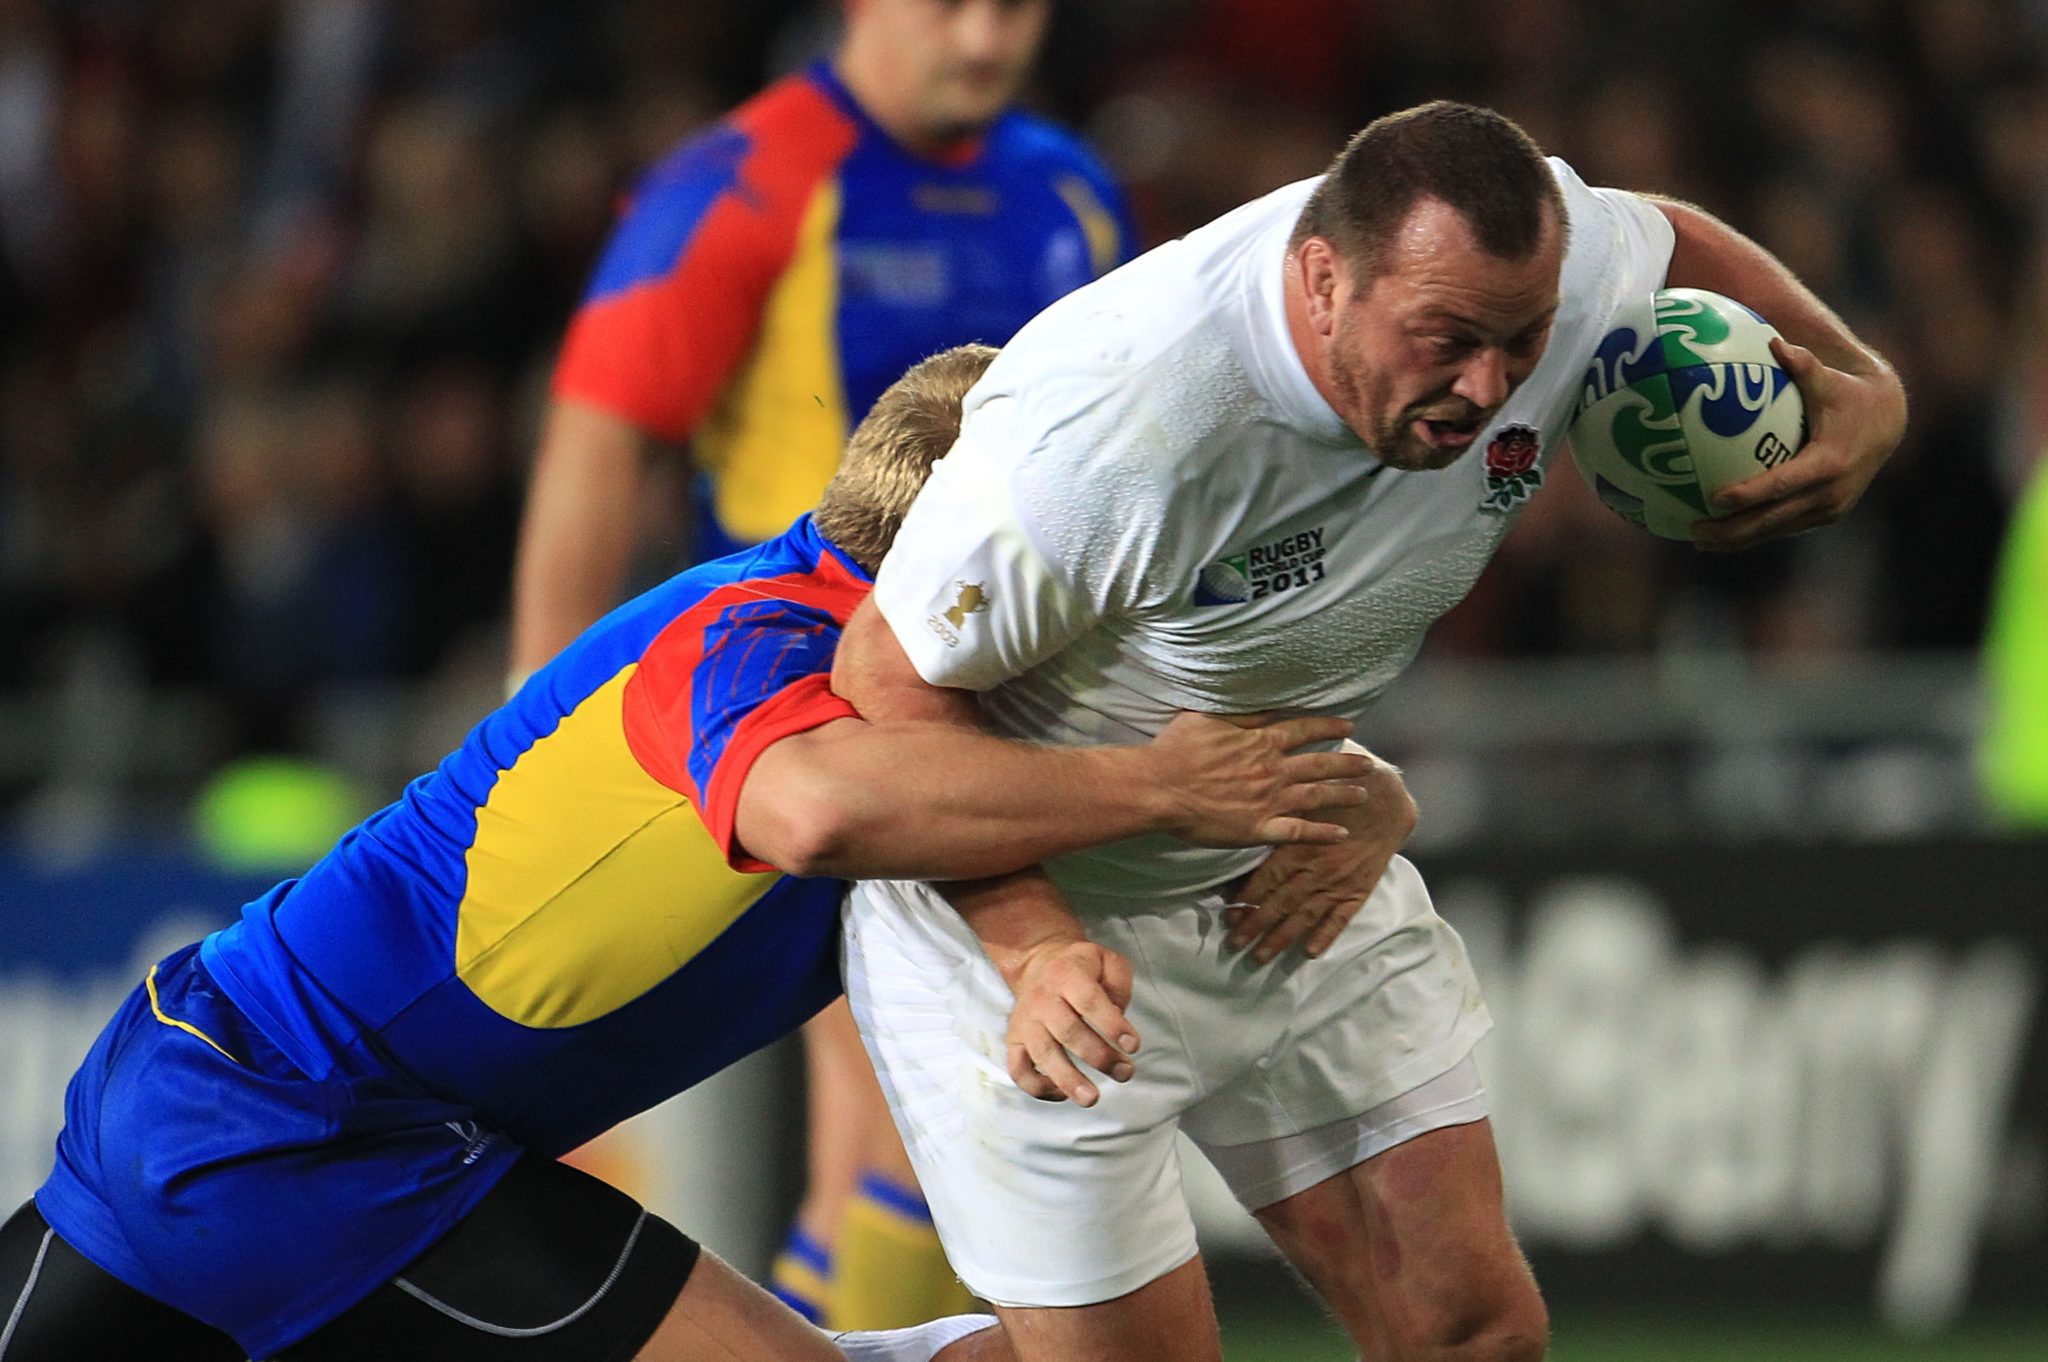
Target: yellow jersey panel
<point x="575" y="902"/>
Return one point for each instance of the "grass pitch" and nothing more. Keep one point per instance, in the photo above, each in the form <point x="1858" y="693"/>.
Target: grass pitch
<point x="1296" y="1335"/>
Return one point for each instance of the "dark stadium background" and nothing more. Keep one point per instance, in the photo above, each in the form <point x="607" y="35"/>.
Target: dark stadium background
<point x="279" y="282"/>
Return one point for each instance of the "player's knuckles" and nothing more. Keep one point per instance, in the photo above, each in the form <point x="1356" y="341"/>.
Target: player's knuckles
<point x="1292" y="930"/>
<point x="1025" y="1075"/>
<point x="1073" y="1033"/>
<point x="1333" y="927"/>
<point x="1319" y="766"/>
<point x="1284" y="830"/>
<point x="1085" y="993"/>
<point x="1106" y="1022"/>
<point x="1094" y="1054"/>
<point x="1051" y="1060"/>
<point x="1067" y="973"/>
<point x="1325" y="936"/>
<point x="1260" y="886"/>
<point x="1076" y="1033"/>
<point x="1302" y="832"/>
<point x="1041" y="1024"/>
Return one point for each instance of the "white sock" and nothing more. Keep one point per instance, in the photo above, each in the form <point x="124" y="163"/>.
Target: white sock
<point x="918" y="1344"/>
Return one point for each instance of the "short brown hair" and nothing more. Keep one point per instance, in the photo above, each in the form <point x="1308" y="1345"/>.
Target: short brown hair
<point x="891" y="452"/>
<point x="1479" y="163"/>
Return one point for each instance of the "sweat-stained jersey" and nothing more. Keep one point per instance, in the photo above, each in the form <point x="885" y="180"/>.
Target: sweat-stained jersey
<point x="548" y="933"/>
<point x="1150" y="507"/>
<point x="776" y="273"/>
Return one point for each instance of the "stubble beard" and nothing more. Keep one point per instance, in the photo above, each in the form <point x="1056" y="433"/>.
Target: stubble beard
<point x="1391" y="440"/>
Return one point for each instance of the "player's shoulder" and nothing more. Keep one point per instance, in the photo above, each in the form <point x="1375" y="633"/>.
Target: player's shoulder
<point x="1604" y="221"/>
<point x="799" y="114"/>
<point x="766" y="156"/>
<point x="1620" y="245"/>
<point x="792" y="124"/>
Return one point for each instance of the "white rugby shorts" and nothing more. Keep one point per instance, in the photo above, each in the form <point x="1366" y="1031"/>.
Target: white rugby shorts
<point x="1286" y="1074"/>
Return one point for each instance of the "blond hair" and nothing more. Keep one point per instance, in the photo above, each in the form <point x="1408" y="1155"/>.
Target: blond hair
<point x="910" y="427"/>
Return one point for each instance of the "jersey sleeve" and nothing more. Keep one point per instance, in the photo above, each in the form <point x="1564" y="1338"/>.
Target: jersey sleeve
<point x="728" y="680"/>
<point x="1633" y="240"/>
<point x="1011" y="551"/>
<point x="677" y="298"/>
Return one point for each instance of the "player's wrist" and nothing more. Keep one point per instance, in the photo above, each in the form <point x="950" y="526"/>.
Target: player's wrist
<point x="1136" y="789"/>
<point x="1017" y="962"/>
<point x="1016" y="918"/>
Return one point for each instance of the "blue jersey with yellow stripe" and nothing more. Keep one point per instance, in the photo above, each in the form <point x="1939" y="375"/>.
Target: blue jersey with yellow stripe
<point x="555" y="928"/>
<point x="773" y="275"/>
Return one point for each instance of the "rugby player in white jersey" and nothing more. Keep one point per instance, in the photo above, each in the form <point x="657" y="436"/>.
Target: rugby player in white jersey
<point x="1247" y="471"/>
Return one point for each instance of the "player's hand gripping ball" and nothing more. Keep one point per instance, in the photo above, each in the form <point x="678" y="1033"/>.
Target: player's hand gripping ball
<point x="1683" y="398"/>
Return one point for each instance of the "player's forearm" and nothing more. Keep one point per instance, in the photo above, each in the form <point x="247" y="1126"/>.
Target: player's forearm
<point x="961" y="804"/>
<point x="1709" y="254"/>
<point x="578" y="533"/>
<point x="939" y="801"/>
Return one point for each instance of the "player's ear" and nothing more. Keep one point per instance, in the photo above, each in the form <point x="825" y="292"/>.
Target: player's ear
<point x="1322" y="271"/>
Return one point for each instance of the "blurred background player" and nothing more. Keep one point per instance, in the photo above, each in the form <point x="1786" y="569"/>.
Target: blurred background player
<point x="768" y="280"/>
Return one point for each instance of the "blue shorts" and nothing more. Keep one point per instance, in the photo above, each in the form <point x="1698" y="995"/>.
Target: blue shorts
<point x="202" y="1166"/>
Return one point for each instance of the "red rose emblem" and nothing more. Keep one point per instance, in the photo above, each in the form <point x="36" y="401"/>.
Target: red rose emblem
<point x="1512" y="452"/>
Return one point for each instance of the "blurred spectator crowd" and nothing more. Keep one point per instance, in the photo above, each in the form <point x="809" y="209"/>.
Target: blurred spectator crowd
<point x="280" y="281"/>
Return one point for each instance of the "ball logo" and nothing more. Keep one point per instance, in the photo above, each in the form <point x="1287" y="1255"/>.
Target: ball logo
<point x="1691" y="330"/>
<point x="1273" y="567"/>
<point x="1772" y="451"/>
<point x="1727" y="399"/>
<point x="972" y="599"/>
<point x="1512" y="468"/>
<point x="1224" y="582"/>
<point x="1647" y="434"/>
<point x="1623" y="357"/>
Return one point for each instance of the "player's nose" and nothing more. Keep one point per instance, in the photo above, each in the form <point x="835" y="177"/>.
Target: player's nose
<point x="1484" y="381"/>
<point x="987" y="32"/>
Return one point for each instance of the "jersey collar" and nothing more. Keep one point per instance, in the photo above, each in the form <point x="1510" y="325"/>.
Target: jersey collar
<point x="1276" y="367"/>
<point x="807" y="530"/>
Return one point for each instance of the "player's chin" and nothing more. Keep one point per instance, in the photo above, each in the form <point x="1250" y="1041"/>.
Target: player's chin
<point x="1411" y="453"/>
<point x="974" y="100"/>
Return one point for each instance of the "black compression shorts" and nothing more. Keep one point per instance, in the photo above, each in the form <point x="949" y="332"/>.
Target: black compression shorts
<point x="552" y="1266"/>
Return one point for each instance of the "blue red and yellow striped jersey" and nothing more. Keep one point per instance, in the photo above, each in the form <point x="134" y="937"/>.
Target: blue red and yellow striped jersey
<point x="772" y="276"/>
<point x="555" y="926"/>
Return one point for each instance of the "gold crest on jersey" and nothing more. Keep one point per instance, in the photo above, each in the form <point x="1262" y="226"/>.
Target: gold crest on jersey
<point x="973" y="598"/>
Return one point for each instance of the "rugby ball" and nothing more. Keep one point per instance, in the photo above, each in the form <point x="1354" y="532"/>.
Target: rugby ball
<point x="1683" y="398"/>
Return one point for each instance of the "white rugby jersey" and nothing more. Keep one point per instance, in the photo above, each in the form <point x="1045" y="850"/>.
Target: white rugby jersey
<point x="1150" y="508"/>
